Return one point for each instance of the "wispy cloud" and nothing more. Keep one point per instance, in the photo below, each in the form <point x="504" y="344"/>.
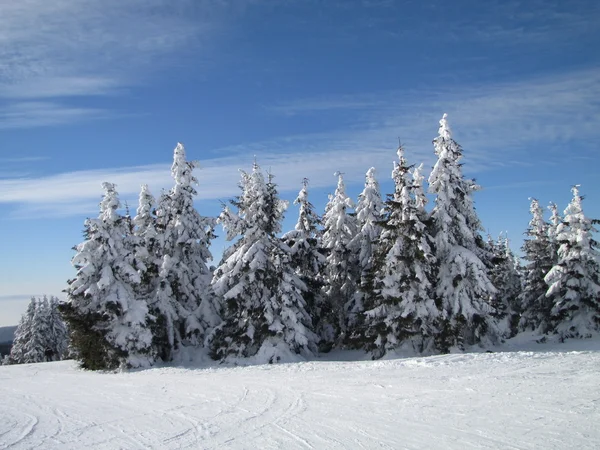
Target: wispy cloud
<point x="24" y="159"/>
<point x="65" y="48"/>
<point x="495" y="124"/>
<point x="78" y="193"/>
<point x="32" y="114"/>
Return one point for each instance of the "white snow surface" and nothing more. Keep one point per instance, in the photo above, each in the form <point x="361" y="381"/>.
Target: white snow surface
<point x="523" y="396"/>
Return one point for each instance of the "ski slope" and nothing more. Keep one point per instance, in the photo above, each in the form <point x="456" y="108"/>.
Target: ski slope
<point x="543" y="399"/>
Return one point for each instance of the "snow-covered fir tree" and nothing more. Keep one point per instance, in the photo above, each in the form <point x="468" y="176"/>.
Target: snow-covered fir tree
<point x="575" y="279"/>
<point x="148" y="250"/>
<point x="555" y="221"/>
<point x="264" y="312"/>
<point x="108" y="323"/>
<point x="58" y="333"/>
<point x="506" y="277"/>
<point x="462" y="285"/>
<point x="341" y="270"/>
<point x="148" y="240"/>
<point x="539" y="253"/>
<point x="41" y="335"/>
<point x="368" y="214"/>
<point x="184" y="302"/>
<point x="399" y="309"/>
<point x="306" y="257"/>
<point x="27" y="348"/>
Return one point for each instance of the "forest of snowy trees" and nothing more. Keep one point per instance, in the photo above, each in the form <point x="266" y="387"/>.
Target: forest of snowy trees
<point x="376" y="274"/>
<point x="41" y="335"/>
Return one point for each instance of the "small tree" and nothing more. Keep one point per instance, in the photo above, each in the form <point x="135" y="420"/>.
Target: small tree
<point x="538" y="252"/>
<point x="41" y="335"/>
<point x="575" y="280"/>
<point x="27" y="346"/>
<point x="506" y="277"/>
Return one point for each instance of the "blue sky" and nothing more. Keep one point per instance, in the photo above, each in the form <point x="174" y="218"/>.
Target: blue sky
<point x="103" y="90"/>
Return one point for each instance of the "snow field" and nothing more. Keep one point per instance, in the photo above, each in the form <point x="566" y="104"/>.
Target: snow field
<point x="512" y="400"/>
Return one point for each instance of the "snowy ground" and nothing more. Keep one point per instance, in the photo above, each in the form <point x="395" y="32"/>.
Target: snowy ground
<point x="543" y="399"/>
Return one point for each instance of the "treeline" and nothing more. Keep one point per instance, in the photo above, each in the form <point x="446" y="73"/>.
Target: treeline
<point x="377" y="275"/>
<point x="41" y="335"/>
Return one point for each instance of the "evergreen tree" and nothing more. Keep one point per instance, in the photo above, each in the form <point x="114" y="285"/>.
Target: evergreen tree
<point x="341" y="265"/>
<point x="41" y="335"/>
<point x="184" y="301"/>
<point x="306" y="257"/>
<point x="58" y="333"/>
<point x="555" y="221"/>
<point x="26" y="346"/>
<point x="264" y="312"/>
<point x="400" y="309"/>
<point x="462" y="284"/>
<point x="149" y="252"/>
<point x="108" y="324"/>
<point x="575" y="279"/>
<point x="505" y="276"/>
<point x="368" y="213"/>
<point x="539" y="254"/>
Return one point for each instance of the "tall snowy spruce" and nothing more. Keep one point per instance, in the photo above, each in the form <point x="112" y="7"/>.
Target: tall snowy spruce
<point x="539" y="252"/>
<point x="261" y="296"/>
<point x="306" y="256"/>
<point x="462" y="285"/>
<point x="400" y="310"/>
<point x="184" y="301"/>
<point x="575" y="279"/>
<point x="368" y="214"/>
<point x="108" y="323"/>
<point x="341" y="270"/>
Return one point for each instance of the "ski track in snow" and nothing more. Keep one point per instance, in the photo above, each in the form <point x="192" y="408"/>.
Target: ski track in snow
<point x="513" y="400"/>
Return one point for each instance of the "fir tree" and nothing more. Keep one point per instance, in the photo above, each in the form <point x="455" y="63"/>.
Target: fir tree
<point x="108" y="324"/>
<point x="341" y="266"/>
<point x="539" y="254"/>
<point x="184" y="302"/>
<point x="505" y="276"/>
<point x="575" y="279"/>
<point x="149" y="252"/>
<point x="555" y="221"/>
<point x="41" y="335"/>
<point x="58" y="334"/>
<point x="262" y="304"/>
<point x="368" y="213"/>
<point x="306" y="257"/>
<point x="400" y="309"/>
<point x="462" y="284"/>
<point x="25" y="348"/>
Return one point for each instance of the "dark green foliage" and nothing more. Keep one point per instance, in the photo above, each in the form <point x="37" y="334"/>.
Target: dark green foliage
<point x="89" y="341"/>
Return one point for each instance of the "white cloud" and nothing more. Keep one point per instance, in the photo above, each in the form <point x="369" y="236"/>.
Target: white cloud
<point x="64" y="48"/>
<point x="493" y="123"/>
<point x="31" y="114"/>
<point x="487" y="119"/>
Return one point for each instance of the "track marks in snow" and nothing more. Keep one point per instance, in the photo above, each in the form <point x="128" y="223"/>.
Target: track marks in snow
<point x="515" y="400"/>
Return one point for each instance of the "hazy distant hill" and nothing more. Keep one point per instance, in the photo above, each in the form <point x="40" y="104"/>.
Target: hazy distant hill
<point x="7" y="333"/>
